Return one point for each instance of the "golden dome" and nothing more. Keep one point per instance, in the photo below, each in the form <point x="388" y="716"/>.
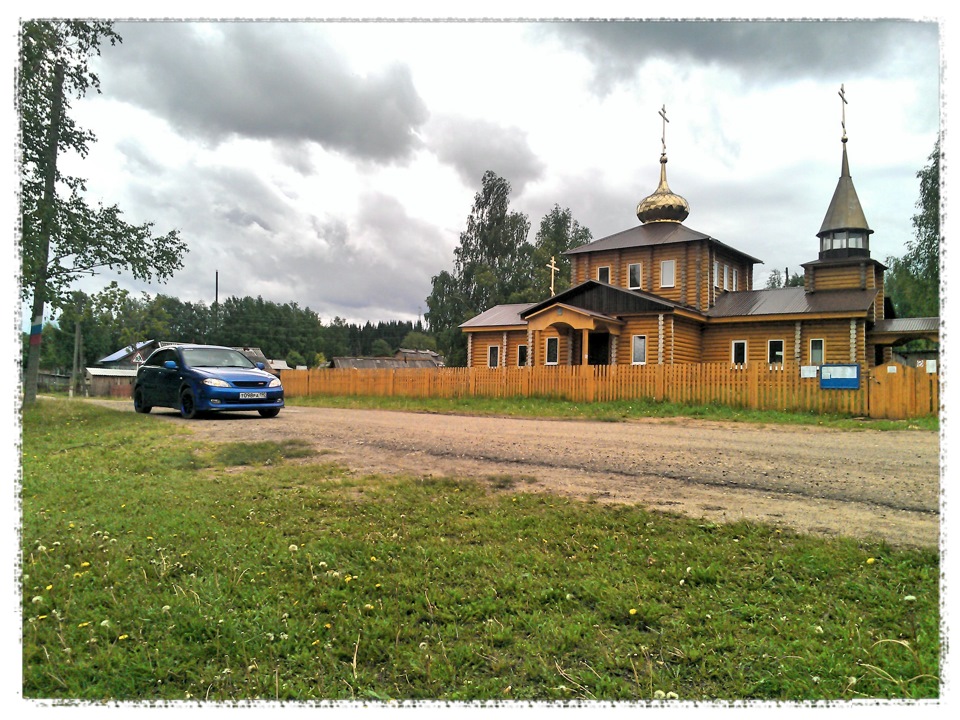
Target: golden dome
<point x="663" y="205"/>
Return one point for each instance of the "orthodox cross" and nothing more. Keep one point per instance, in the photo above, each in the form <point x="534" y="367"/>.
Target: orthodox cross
<point x="663" y="136"/>
<point x="552" y="267"/>
<point x="843" y="111"/>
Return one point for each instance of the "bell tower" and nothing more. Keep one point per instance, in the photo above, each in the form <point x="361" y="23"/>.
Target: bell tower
<point x="844" y="232"/>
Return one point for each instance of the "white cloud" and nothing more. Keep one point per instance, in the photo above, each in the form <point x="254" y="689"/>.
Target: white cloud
<point x="309" y="161"/>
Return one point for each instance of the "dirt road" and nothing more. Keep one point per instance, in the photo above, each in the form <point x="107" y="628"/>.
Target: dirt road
<point x="867" y="484"/>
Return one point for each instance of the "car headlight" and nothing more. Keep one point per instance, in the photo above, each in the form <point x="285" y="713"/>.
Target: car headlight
<point x="216" y="382"/>
<point x="274" y="383"/>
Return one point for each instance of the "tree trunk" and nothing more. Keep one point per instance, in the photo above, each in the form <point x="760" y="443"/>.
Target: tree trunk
<point x="47" y="220"/>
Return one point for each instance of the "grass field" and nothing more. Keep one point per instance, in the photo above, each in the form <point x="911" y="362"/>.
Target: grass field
<point x="156" y="567"/>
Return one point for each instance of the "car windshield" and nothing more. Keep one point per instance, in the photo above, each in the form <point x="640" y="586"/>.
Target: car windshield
<point x="216" y="358"/>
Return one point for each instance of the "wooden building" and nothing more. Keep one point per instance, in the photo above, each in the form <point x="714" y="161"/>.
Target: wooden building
<point x="664" y="293"/>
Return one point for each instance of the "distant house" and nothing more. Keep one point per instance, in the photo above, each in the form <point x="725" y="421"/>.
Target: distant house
<point x="132" y="356"/>
<point x="113" y="382"/>
<point x="382" y="363"/>
<point x="431" y="355"/>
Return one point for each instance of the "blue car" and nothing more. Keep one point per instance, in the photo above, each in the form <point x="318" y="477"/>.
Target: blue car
<point x="200" y="379"/>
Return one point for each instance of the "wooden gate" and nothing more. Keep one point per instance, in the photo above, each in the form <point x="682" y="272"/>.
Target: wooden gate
<point x="898" y="391"/>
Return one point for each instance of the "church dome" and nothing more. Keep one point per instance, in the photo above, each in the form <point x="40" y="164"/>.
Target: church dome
<point x="663" y="205"/>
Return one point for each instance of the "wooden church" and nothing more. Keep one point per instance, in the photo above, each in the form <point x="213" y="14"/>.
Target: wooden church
<point x="664" y="293"/>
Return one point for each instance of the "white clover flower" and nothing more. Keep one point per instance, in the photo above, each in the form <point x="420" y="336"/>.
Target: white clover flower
<point x="672" y="696"/>
<point x="293" y="548"/>
<point x="910" y="598"/>
<point x="37" y="600"/>
<point x="105" y="623"/>
<point x="659" y="694"/>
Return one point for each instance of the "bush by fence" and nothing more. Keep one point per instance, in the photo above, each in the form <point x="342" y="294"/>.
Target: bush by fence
<point x="887" y="391"/>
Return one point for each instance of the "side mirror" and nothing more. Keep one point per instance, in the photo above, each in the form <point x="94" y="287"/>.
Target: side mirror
<point x="170" y="365"/>
<point x="261" y="366"/>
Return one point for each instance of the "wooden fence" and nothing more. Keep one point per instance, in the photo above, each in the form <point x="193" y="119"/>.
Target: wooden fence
<point x="887" y="391"/>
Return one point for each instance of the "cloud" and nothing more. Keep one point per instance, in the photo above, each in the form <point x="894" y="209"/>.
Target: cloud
<point x="271" y="81"/>
<point x="473" y="146"/>
<point x="760" y="51"/>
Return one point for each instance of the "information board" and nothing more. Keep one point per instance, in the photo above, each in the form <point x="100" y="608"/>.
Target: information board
<point x="840" y="377"/>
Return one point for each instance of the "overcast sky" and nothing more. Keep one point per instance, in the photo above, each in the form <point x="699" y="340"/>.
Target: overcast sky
<point x="334" y="164"/>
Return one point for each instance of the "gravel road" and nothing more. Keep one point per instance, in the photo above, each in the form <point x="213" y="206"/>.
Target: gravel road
<point x="867" y="484"/>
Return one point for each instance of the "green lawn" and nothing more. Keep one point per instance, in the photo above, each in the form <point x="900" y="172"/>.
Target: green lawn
<point x="156" y="567"/>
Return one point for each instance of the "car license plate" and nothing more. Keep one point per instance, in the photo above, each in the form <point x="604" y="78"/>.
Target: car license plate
<point x="253" y="396"/>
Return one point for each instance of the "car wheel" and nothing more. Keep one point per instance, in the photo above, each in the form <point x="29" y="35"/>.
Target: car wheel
<point x="271" y="412"/>
<point x="138" y="404"/>
<point x="188" y="407"/>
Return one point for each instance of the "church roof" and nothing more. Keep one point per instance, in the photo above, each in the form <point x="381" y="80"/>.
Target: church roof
<point x="844" y="212"/>
<point x="654" y="233"/>
<point x="498" y="316"/>
<point x="907" y="325"/>
<point x="604" y="299"/>
<point x="791" y="301"/>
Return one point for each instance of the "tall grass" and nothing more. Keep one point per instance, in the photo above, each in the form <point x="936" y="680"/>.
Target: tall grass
<point x="155" y="567"/>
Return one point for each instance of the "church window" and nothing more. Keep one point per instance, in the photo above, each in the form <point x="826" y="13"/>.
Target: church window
<point x="716" y="273"/>
<point x="521" y="355"/>
<point x="493" y="356"/>
<point x="733" y="282"/>
<point x="739" y="354"/>
<point x="639" y="349"/>
<point x="635" y="272"/>
<point x="775" y="352"/>
<point x="603" y="274"/>
<point x="726" y="277"/>
<point x="553" y="351"/>
<point x="668" y="271"/>
<point x="816" y="351"/>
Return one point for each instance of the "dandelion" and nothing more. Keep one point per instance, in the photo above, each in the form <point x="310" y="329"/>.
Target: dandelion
<point x="373" y="558"/>
<point x="871" y="561"/>
<point x="83" y="625"/>
<point x="84" y="564"/>
<point x="633" y="611"/>
<point x="368" y="606"/>
<point x="327" y="625"/>
<point x="377" y="585"/>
